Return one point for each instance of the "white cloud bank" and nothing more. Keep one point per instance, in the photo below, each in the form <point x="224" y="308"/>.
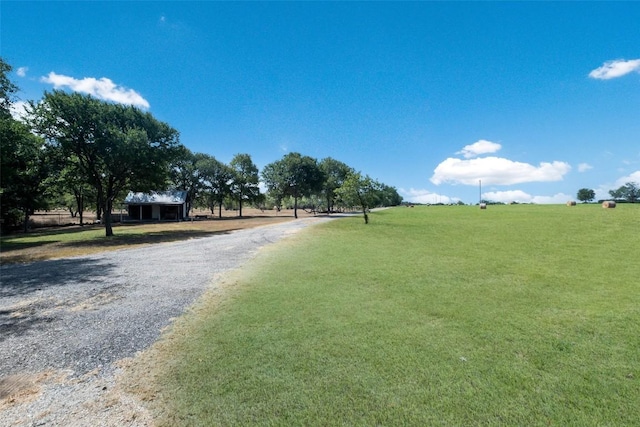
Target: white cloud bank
<point x="22" y="71"/>
<point x="102" y="88"/>
<point x="613" y="69"/>
<point x="496" y="171"/>
<point x="520" y="196"/>
<point x="426" y="197"/>
<point x="479" y="147"/>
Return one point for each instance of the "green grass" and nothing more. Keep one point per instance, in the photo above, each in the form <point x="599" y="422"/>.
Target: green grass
<point x="517" y="315"/>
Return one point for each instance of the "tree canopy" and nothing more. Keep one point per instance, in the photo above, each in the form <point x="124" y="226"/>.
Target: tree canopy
<point x="117" y="147"/>
<point x="629" y="192"/>
<point x="586" y="195"/>
<point x="244" y="182"/>
<point x="294" y="175"/>
<point x="362" y="191"/>
<point x="335" y="173"/>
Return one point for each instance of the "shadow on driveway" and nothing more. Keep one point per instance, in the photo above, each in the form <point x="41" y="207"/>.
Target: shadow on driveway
<point x="23" y="279"/>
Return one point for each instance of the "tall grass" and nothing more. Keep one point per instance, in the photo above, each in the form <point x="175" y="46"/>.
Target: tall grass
<point x="517" y="315"/>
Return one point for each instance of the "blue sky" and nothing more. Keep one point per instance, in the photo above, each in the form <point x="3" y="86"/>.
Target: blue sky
<point x="536" y="100"/>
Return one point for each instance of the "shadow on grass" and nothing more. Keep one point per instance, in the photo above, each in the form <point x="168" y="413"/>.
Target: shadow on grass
<point x="18" y="245"/>
<point x="144" y="238"/>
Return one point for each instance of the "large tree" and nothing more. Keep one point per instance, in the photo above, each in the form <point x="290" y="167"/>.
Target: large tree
<point x="118" y="147"/>
<point x="335" y="172"/>
<point x="629" y="192"/>
<point x="24" y="164"/>
<point x="216" y="181"/>
<point x="244" y="184"/>
<point x="294" y="175"/>
<point x="586" y="195"/>
<point x="24" y="169"/>
<point x="186" y="175"/>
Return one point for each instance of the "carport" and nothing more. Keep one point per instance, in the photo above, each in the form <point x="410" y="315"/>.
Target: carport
<point x="157" y="206"/>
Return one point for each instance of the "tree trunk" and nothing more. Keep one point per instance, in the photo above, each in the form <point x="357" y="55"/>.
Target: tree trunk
<point x="240" y="207"/>
<point x="220" y="210"/>
<point x="81" y="209"/>
<point x="295" y="207"/>
<point x="26" y="220"/>
<point x="107" y="218"/>
<point x="99" y="204"/>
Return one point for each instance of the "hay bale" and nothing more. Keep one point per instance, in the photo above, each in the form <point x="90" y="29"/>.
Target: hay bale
<point x="483" y="206"/>
<point x="609" y="204"/>
<point x="571" y="203"/>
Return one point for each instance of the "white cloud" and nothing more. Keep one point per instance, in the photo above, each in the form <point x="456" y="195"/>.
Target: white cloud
<point x="425" y="196"/>
<point x="613" y="69"/>
<point x="634" y="177"/>
<point x="479" y="147"/>
<point x="102" y="88"/>
<point x="496" y="171"/>
<point x="22" y="71"/>
<point x="559" y="198"/>
<point x="520" y="196"/>
<point x="583" y="167"/>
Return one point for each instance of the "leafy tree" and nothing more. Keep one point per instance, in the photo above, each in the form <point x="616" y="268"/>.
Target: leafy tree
<point x="24" y="169"/>
<point x="74" y="193"/>
<point x="586" y="195"/>
<point x="7" y="89"/>
<point x="24" y="164"/>
<point x="335" y="172"/>
<point x="389" y="196"/>
<point x="244" y="184"/>
<point x="273" y="175"/>
<point x="294" y="175"/>
<point x="183" y="175"/>
<point x="216" y="180"/>
<point x="118" y="147"/>
<point x="187" y="175"/>
<point x="629" y="192"/>
<point x="360" y="191"/>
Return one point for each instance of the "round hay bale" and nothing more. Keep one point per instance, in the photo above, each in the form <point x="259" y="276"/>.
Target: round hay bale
<point x="571" y="203"/>
<point x="609" y="204"/>
<point x="483" y="206"/>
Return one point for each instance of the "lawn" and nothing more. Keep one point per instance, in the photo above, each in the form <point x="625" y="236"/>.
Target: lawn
<point x="514" y="315"/>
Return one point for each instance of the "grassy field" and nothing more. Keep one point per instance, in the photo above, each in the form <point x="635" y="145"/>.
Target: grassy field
<point x="517" y="315"/>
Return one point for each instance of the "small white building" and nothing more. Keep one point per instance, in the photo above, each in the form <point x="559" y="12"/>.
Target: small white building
<point x="157" y="206"/>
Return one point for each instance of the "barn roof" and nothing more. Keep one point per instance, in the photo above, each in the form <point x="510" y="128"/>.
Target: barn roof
<point x="174" y="197"/>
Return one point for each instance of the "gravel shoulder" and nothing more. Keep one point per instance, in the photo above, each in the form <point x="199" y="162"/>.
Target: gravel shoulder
<point x="68" y="326"/>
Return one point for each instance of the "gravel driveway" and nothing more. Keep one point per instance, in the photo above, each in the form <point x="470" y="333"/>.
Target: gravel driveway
<point x="65" y="324"/>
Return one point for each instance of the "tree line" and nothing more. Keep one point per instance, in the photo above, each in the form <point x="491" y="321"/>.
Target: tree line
<point x="627" y="193"/>
<point x="75" y="151"/>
